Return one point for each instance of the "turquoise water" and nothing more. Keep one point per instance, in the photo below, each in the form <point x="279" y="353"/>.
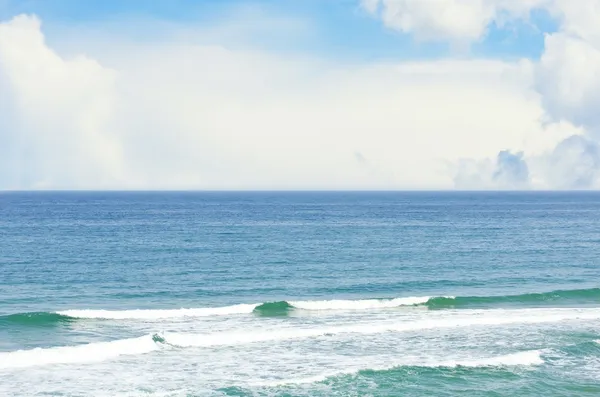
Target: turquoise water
<point x="299" y="294"/>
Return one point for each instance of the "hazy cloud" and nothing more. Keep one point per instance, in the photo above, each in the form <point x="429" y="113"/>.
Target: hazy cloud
<point x="175" y="115"/>
<point x="171" y="114"/>
<point x="567" y="78"/>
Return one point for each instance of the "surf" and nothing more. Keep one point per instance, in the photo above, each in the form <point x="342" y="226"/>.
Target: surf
<point x="523" y="358"/>
<point x="590" y="295"/>
<point x="153" y="314"/>
<point x="87" y="353"/>
<point x="35" y="319"/>
<point x="473" y="318"/>
<point x="284" y="308"/>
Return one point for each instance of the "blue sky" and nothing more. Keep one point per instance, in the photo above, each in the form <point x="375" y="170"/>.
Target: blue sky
<point x="335" y="28"/>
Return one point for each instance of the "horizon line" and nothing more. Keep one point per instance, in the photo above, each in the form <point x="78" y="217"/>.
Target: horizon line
<point x="296" y="191"/>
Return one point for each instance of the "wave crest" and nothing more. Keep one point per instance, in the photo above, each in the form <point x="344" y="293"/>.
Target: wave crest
<point x="159" y="314"/>
<point x="91" y="352"/>
<point x="283" y="308"/>
<point x="35" y="319"/>
<point x="559" y="296"/>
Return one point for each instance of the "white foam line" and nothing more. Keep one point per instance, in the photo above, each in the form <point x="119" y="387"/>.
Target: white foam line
<point x="525" y="358"/>
<point x="159" y="314"/>
<point x="532" y="357"/>
<point x="465" y="319"/>
<point x="360" y="304"/>
<point x="92" y="352"/>
<point x="151" y="314"/>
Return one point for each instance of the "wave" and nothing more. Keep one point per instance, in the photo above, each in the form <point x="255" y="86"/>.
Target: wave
<point x="524" y="358"/>
<point x="92" y="352"/>
<point x="477" y="318"/>
<point x="280" y="308"/>
<point x="283" y="308"/>
<point x="151" y="314"/>
<point x="35" y="319"/>
<point x="531" y="357"/>
<point x="264" y="309"/>
<point x="102" y="351"/>
<point x="559" y="296"/>
<point x="273" y="309"/>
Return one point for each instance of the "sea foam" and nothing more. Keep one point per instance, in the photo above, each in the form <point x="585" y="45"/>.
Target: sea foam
<point x="159" y="314"/>
<point x="245" y="309"/>
<point x="524" y="358"/>
<point x="92" y="352"/>
<point x="285" y="307"/>
<point x="472" y="318"/>
<point x="360" y="304"/>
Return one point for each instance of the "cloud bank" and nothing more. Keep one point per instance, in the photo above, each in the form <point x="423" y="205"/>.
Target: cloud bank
<point x="566" y="78"/>
<point x="170" y="114"/>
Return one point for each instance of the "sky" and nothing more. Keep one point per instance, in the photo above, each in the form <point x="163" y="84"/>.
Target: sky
<point x="300" y="94"/>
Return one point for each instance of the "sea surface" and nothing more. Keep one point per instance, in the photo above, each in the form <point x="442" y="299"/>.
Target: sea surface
<point x="299" y="294"/>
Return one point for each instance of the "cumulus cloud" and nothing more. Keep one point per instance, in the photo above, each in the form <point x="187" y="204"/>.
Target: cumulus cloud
<point x="457" y="21"/>
<point x="575" y="164"/>
<point x="567" y="77"/>
<point x="171" y="114"/>
<point x="55" y="121"/>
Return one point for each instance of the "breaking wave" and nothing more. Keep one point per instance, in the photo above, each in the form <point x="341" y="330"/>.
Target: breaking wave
<point x="88" y="353"/>
<point x="591" y="295"/>
<point x="282" y="308"/>
<point x="477" y="318"/>
<point x="36" y="319"/>
<point x="279" y="308"/>
<point x="159" y="314"/>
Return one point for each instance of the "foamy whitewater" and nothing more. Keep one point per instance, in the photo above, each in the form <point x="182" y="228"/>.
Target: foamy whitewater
<point x="290" y="294"/>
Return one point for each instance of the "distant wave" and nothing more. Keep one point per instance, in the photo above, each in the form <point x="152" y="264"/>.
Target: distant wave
<point x="283" y="308"/>
<point x="92" y="352"/>
<point x="524" y="358"/>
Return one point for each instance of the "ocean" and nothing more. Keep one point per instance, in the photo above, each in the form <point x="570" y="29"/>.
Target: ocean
<point x="299" y="294"/>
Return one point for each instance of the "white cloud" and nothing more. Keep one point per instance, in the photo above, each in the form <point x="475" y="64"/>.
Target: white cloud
<point x="575" y="164"/>
<point x="567" y="76"/>
<point x="455" y="21"/>
<point x="60" y="111"/>
<point x="578" y="18"/>
<point x="170" y="114"/>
